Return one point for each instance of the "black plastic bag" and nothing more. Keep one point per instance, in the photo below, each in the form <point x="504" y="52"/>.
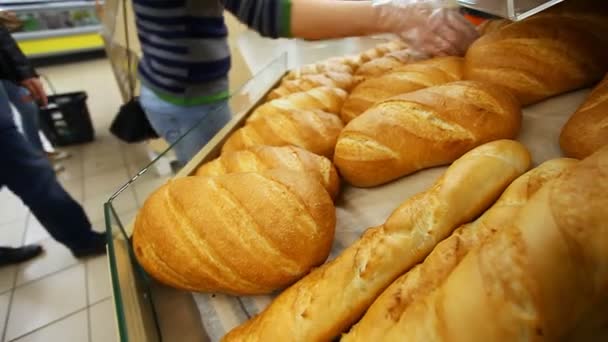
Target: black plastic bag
<point x="131" y="124"/>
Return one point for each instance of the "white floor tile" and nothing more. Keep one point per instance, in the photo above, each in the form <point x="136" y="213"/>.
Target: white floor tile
<point x="106" y="182"/>
<point x="103" y="322"/>
<point x="55" y="257"/>
<point x="7" y="277"/>
<point x="103" y="162"/>
<point x="11" y="234"/>
<point x="34" y="231"/>
<point x="70" y="329"/>
<point x="124" y="203"/>
<point x="75" y="187"/>
<point x="98" y="279"/>
<point x="11" y="207"/>
<point x="4" y="302"/>
<point x="49" y="299"/>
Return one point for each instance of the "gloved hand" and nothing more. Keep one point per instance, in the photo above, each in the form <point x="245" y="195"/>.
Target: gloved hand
<point x="434" y="27"/>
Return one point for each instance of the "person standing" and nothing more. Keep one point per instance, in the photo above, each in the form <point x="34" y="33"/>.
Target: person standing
<point x="186" y="58"/>
<point x="29" y="174"/>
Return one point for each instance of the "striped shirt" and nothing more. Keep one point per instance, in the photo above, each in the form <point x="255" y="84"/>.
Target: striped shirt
<point x="186" y="57"/>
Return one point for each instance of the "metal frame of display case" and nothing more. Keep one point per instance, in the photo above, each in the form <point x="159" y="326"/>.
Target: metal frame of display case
<point x="510" y="9"/>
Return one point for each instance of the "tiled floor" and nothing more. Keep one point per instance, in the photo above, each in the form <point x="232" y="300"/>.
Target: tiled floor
<point x="57" y="297"/>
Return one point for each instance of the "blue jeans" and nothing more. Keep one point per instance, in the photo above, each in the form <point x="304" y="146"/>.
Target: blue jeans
<point x="29" y="174"/>
<point x="172" y="121"/>
<point x="28" y="110"/>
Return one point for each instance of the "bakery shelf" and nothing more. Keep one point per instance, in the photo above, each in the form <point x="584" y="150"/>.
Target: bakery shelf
<point x="510" y="9"/>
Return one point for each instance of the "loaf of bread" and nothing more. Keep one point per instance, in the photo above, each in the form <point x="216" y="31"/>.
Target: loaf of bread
<point x="312" y="130"/>
<point x="426" y="128"/>
<point x="381" y="49"/>
<point x="492" y="25"/>
<point x="326" y="99"/>
<point x="406" y="79"/>
<point x="534" y="279"/>
<point x="328" y="300"/>
<point x="544" y="55"/>
<point x="307" y="82"/>
<point x="240" y="233"/>
<point x="587" y="129"/>
<point x="263" y="157"/>
<point x="426" y="277"/>
<point x="380" y="66"/>
<point x="331" y="65"/>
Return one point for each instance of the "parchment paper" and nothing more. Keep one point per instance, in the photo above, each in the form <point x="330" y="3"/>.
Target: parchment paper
<point x="359" y="209"/>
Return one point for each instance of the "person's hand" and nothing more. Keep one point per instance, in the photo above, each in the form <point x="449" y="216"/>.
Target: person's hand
<point x="36" y="89"/>
<point x="433" y="30"/>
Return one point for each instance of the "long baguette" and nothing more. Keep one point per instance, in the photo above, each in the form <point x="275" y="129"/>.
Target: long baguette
<point x="533" y="280"/>
<point x="426" y="277"/>
<point x="327" y="301"/>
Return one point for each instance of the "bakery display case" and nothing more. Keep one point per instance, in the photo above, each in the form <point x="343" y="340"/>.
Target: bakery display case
<point x="149" y="311"/>
<point x="56" y="27"/>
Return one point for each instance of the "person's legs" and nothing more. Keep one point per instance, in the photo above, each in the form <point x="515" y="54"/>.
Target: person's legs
<point x="30" y="176"/>
<point x="172" y="121"/>
<point x="28" y="110"/>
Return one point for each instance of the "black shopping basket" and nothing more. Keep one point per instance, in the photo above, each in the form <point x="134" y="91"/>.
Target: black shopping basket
<point x="66" y="119"/>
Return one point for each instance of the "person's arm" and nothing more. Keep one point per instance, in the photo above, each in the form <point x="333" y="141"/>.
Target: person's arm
<point x="23" y="72"/>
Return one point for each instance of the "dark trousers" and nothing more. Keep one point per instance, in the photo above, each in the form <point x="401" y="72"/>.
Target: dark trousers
<point x="30" y="176"/>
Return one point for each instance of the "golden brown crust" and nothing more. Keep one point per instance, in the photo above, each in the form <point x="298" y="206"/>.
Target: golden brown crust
<point x="426" y="128"/>
<point x="307" y="82"/>
<point x="587" y="129"/>
<point x="312" y="130"/>
<point x="428" y="276"/>
<point x="327" y="99"/>
<point x="262" y="157"/>
<point x="327" y="301"/>
<point x="405" y="79"/>
<point x="535" y="278"/>
<point x="280" y="222"/>
<point x="544" y="55"/>
<point x="489" y="26"/>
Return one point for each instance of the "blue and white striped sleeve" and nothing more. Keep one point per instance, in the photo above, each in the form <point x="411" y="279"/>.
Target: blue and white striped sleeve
<point x="271" y="18"/>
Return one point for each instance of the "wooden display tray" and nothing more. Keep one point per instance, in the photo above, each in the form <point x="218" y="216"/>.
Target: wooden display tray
<point x="179" y="316"/>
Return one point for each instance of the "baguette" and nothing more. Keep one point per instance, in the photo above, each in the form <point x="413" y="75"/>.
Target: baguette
<point x="426" y="277"/>
<point x="327" y="301"/>
<point x="406" y="79"/>
<point x="240" y="233"/>
<point x="534" y="279"/>
<point x="381" y="50"/>
<point x="544" y="55"/>
<point x="426" y="128"/>
<point x="312" y="130"/>
<point x="489" y="26"/>
<point x="262" y="157"/>
<point x="587" y="129"/>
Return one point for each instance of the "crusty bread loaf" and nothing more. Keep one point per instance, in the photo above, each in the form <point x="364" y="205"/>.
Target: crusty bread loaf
<point x="240" y="233"/>
<point x="328" y="300"/>
<point x="331" y="65"/>
<point x="387" y="63"/>
<point x="535" y="278"/>
<point x="492" y="25"/>
<point x="406" y="79"/>
<point x="587" y="129"/>
<point x="326" y="99"/>
<point x="426" y="277"/>
<point x="381" y="49"/>
<point x="426" y="128"/>
<point x="544" y="55"/>
<point x="263" y="157"/>
<point x="307" y="82"/>
<point x="312" y="130"/>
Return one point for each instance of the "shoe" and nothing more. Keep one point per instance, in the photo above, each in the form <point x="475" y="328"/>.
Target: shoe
<point x="9" y="255"/>
<point x="96" y="246"/>
<point x="58" y="155"/>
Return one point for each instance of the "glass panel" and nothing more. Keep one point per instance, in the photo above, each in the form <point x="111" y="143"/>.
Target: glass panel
<point x="511" y="9"/>
<point x="133" y="290"/>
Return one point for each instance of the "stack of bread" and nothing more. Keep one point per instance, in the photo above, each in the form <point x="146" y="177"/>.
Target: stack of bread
<point x="491" y="251"/>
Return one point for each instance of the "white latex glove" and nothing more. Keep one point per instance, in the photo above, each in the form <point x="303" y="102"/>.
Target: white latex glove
<point x="428" y="26"/>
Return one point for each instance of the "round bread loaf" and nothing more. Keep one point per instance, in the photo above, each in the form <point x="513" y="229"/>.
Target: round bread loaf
<point x="240" y="233"/>
<point x="262" y="157"/>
